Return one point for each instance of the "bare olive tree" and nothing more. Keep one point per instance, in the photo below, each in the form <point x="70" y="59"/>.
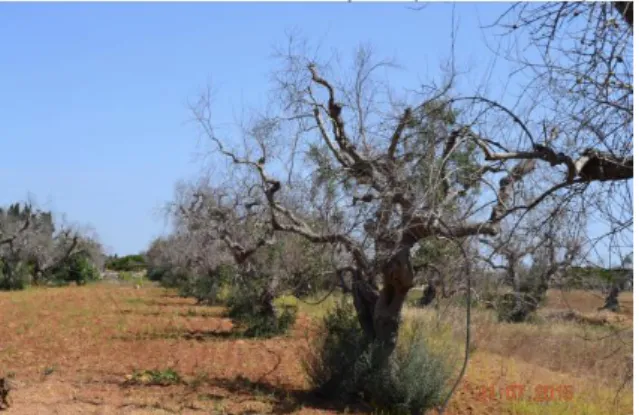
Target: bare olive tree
<point x="32" y="246"/>
<point x="384" y="171"/>
<point x="217" y="226"/>
<point x="577" y="58"/>
<point x="533" y="253"/>
<point x="222" y="223"/>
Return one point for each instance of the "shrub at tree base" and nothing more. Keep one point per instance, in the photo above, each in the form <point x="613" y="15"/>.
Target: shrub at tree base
<point x="211" y="288"/>
<point x="259" y="316"/>
<point x="341" y="366"/>
<point x="248" y="300"/>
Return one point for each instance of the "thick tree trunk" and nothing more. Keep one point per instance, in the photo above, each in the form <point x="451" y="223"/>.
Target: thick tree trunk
<point x="211" y="297"/>
<point x="364" y="298"/>
<point x="267" y="299"/>
<point x="380" y="313"/>
<point x="625" y="9"/>
<point x="612" y="300"/>
<point x="342" y="282"/>
<point x="38" y="274"/>
<point x="430" y="292"/>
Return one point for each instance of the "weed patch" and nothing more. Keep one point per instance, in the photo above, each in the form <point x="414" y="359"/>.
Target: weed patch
<point x="155" y="377"/>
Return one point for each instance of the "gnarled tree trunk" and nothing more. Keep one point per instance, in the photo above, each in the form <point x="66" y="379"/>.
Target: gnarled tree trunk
<point x="267" y="299"/>
<point x="612" y="300"/>
<point x="379" y="313"/>
<point x="430" y="292"/>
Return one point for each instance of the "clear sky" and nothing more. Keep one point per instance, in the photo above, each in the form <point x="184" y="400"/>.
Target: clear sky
<point x="93" y="97"/>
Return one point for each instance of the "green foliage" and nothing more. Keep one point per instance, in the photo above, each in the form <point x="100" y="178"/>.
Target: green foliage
<point x="431" y="125"/>
<point x="245" y="297"/>
<point x="341" y="366"/>
<point x="179" y="279"/>
<point x="126" y="276"/>
<point x="164" y="377"/>
<point x="132" y="277"/>
<point x="516" y="307"/>
<point x="14" y="276"/>
<point x="171" y="277"/>
<point x="76" y="268"/>
<point x="251" y="308"/>
<point x="466" y="168"/>
<point x="126" y="263"/>
<point x="207" y="288"/>
<point x="157" y="273"/>
<point x="331" y="364"/>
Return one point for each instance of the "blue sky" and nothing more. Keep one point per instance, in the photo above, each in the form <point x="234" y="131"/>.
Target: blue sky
<point x="93" y="101"/>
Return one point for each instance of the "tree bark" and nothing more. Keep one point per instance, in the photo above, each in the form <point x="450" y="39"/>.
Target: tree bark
<point x="625" y="9"/>
<point x="267" y="299"/>
<point x="612" y="300"/>
<point x="380" y="313"/>
<point x="364" y="299"/>
<point x="211" y="297"/>
<point x="430" y="292"/>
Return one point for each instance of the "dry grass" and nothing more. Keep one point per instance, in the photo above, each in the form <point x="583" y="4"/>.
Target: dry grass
<point x="586" y="301"/>
<point x="76" y="350"/>
<point x="589" y="350"/>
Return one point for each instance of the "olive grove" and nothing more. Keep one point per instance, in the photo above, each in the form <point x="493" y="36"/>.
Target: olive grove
<point x="385" y="174"/>
<point x="387" y="182"/>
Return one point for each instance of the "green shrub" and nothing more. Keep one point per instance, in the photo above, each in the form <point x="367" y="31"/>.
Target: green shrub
<point x="248" y="309"/>
<point x="172" y="278"/>
<point x="208" y="288"/>
<point x="77" y="268"/>
<point x="340" y="366"/>
<point x="156" y="274"/>
<point x="516" y="307"/>
<point x="331" y="363"/>
<point x="419" y="379"/>
<point x="266" y="326"/>
<point x="16" y="277"/>
<point x="131" y="277"/>
<point x="164" y="377"/>
<point x="126" y="276"/>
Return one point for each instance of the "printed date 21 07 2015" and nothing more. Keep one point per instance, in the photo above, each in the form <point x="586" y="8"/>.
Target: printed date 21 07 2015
<point x="515" y="391"/>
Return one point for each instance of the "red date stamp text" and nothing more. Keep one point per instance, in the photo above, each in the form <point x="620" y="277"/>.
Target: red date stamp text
<point x="515" y="392"/>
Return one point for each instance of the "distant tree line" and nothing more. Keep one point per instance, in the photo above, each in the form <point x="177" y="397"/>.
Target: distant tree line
<point x="130" y="263"/>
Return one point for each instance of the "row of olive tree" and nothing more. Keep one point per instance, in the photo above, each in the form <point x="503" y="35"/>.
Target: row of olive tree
<point x="386" y="176"/>
<point x="222" y="250"/>
<point x="576" y="59"/>
<point x="383" y="177"/>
